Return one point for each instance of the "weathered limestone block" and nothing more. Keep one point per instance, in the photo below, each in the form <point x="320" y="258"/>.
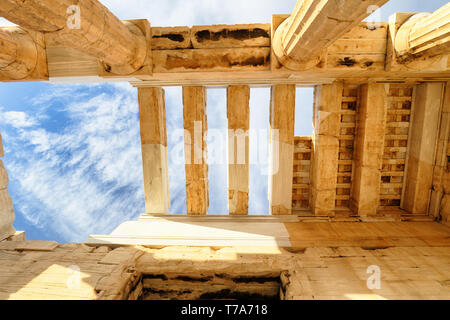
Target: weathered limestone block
<point x="18" y="53"/>
<point x="300" y="41"/>
<point x="369" y="149"/>
<point x="89" y="27"/>
<point x="424" y="35"/>
<point x="441" y="183"/>
<point x="238" y="112"/>
<point x="152" y="115"/>
<point x="6" y="205"/>
<point x="6" y="215"/>
<point x="195" y="126"/>
<point x="281" y="149"/>
<point x="424" y="135"/>
<point x="327" y="106"/>
<point x="234" y="36"/>
<point x="164" y="38"/>
<point x="18" y="236"/>
<point x="211" y="60"/>
<point x="445" y="204"/>
<point x="4" y="180"/>
<point x="446" y="182"/>
<point x="445" y="210"/>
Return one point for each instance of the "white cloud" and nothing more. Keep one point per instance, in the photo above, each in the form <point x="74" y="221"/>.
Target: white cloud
<point x="17" y="119"/>
<point x="199" y="12"/>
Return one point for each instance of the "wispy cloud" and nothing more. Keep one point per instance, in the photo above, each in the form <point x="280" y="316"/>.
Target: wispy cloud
<point x="16" y="119"/>
<point x="86" y="177"/>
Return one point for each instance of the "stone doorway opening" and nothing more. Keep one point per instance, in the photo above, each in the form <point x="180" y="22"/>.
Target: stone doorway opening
<point x="215" y="286"/>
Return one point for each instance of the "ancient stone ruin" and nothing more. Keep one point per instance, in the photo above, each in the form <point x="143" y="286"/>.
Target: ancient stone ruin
<point x="367" y="196"/>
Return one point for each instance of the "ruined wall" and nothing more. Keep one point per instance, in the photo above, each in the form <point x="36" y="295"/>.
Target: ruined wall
<point x="329" y="261"/>
<point x="6" y="205"/>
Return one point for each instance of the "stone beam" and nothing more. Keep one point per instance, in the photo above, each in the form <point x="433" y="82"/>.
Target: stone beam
<point x="236" y="55"/>
<point x="369" y="149"/>
<point x="22" y="55"/>
<point x="423" y="139"/>
<point x="6" y="204"/>
<point x="238" y="113"/>
<point x="152" y="115"/>
<point x="87" y="26"/>
<point x="424" y="35"/>
<point x="195" y="126"/>
<point x="281" y="149"/>
<point x="300" y="42"/>
<point x="326" y="121"/>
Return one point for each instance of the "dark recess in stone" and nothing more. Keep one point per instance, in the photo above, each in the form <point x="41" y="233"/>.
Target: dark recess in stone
<point x="254" y="61"/>
<point x="253" y="279"/>
<point x="348" y="62"/>
<point x="173" y="37"/>
<point x="156" y="276"/>
<point x="240" y="34"/>
<point x="192" y="279"/>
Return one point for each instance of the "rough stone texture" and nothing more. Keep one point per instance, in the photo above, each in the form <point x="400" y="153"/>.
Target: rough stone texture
<point x="419" y="36"/>
<point x="424" y="136"/>
<point x="6" y="204"/>
<point x="238" y="114"/>
<point x="4" y="179"/>
<point x="281" y="149"/>
<point x="327" y="106"/>
<point x="369" y="149"/>
<point x="412" y="257"/>
<point x="17" y="236"/>
<point x="196" y="128"/>
<point x="314" y="26"/>
<point x="18" y="53"/>
<point x="100" y="33"/>
<point x="70" y="271"/>
<point x="441" y="163"/>
<point x="152" y="116"/>
<point x="445" y="205"/>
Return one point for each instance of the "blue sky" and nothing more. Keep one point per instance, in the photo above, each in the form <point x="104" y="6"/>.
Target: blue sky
<point x="73" y="151"/>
